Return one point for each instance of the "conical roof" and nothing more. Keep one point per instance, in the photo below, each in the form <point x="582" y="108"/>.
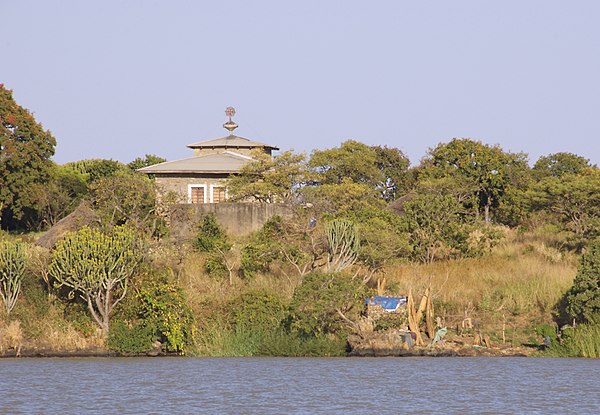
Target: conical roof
<point x="226" y="162"/>
<point x="231" y="141"/>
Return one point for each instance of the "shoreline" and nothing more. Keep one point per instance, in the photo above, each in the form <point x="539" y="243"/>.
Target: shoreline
<point x="415" y="352"/>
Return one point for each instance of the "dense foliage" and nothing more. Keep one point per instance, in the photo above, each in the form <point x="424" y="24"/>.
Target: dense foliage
<point x="583" y="299"/>
<point x="25" y="166"/>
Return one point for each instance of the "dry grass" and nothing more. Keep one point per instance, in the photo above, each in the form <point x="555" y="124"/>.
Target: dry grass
<point x="516" y="285"/>
<point x="522" y="277"/>
<point x="11" y="336"/>
<point x="205" y="293"/>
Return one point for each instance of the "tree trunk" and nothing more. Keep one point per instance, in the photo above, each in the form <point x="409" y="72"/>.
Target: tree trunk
<point x="486" y="210"/>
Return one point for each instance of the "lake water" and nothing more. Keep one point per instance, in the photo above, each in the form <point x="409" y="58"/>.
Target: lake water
<point x="299" y="386"/>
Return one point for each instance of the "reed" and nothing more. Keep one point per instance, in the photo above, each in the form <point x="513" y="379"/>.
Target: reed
<point x="582" y="341"/>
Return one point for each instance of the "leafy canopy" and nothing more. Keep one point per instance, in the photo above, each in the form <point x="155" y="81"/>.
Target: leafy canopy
<point x="269" y="179"/>
<point x="487" y="169"/>
<point x="25" y="165"/>
<point x="583" y="299"/>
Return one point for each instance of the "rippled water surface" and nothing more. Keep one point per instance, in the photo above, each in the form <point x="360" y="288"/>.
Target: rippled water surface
<point x="299" y="386"/>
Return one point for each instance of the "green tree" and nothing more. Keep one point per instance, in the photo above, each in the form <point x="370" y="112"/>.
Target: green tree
<point x="341" y="199"/>
<point x="25" y="151"/>
<point x="583" y="299"/>
<point x="352" y="160"/>
<point x="559" y="164"/>
<point x="435" y="226"/>
<point x="95" y="169"/>
<point x="210" y="233"/>
<point x="148" y="160"/>
<point x="575" y="198"/>
<point x="162" y="305"/>
<point x="156" y="310"/>
<point x="295" y="242"/>
<point x="263" y="248"/>
<point x="383" y="238"/>
<point x="97" y="266"/>
<point x="397" y="179"/>
<point x="61" y="195"/>
<point x="13" y="261"/>
<point x="258" y="310"/>
<point x="487" y="168"/>
<point x="222" y="259"/>
<point x="269" y="179"/>
<point x="384" y="169"/>
<point x="126" y="198"/>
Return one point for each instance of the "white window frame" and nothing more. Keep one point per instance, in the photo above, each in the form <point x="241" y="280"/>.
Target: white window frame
<point x="212" y="186"/>
<point x="203" y="186"/>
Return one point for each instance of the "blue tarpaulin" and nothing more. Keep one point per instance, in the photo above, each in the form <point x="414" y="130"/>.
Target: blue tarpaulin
<point x="388" y="303"/>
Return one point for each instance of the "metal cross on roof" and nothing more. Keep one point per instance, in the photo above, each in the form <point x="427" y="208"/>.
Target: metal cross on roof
<point x="230" y="125"/>
<point x="230" y="112"/>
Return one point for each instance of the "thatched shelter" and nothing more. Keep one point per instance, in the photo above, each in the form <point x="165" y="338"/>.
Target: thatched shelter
<point x="82" y="216"/>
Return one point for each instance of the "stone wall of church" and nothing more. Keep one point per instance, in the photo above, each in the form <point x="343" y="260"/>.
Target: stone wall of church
<point x="236" y="218"/>
<point x="180" y="184"/>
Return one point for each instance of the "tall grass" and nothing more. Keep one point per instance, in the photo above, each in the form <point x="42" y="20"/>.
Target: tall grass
<point x="217" y="341"/>
<point x="582" y="341"/>
<point x="521" y="277"/>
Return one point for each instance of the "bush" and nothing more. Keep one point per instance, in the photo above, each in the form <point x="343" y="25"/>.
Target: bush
<point x="263" y="248"/>
<point x="210" y="234"/>
<point x="320" y="300"/>
<point x="135" y="339"/>
<point x="583" y="299"/>
<point x="159" y="306"/>
<point x="258" y="311"/>
<point x="217" y="340"/>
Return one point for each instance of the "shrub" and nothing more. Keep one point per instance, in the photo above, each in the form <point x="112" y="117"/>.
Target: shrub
<point x="160" y="308"/>
<point x="258" y="311"/>
<point x="210" y="234"/>
<point x="135" y="339"/>
<point x="583" y="299"/>
<point x="320" y="301"/>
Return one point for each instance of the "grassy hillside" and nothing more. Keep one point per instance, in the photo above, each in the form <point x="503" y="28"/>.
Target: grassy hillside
<point x="508" y="292"/>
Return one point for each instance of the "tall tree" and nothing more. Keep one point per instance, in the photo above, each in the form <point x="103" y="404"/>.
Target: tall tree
<point x="269" y="179"/>
<point x="397" y="180"/>
<point x="575" y="198"/>
<point x="126" y="197"/>
<point x="352" y="160"/>
<point x="489" y="168"/>
<point x="148" y="160"/>
<point x="559" y="164"/>
<point x="25" y="151"/>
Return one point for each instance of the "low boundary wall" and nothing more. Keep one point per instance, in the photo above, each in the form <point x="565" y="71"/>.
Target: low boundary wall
<point x="236" y="218"/>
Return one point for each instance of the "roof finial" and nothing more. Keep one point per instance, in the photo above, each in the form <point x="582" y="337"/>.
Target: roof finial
<point x="230" y="125"/>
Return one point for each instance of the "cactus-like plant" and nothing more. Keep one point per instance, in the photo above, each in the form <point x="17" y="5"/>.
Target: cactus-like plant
<point x="12" y="269"/>
<point x="97" y="266"/>
<point x="343" y="244"/>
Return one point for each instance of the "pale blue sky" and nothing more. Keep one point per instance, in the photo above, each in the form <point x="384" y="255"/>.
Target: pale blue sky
<point x="119" y="79"/>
